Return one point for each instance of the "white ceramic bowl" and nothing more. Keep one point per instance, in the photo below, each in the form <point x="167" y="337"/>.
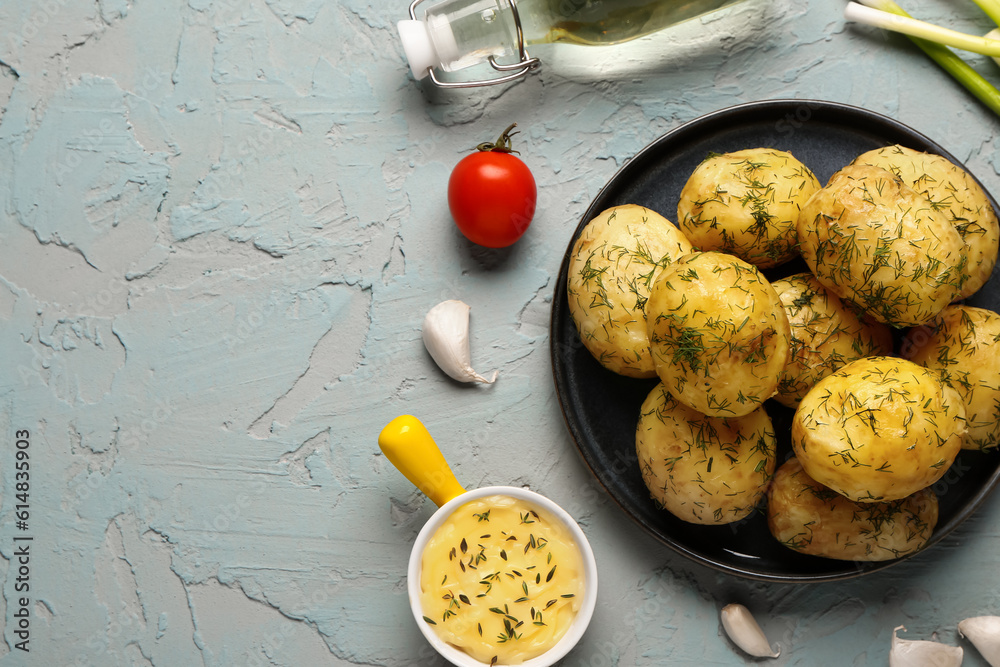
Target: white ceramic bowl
<point x="458" y="657"/>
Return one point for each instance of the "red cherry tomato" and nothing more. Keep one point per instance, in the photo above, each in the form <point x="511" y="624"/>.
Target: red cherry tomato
<point x="492" y="195"/>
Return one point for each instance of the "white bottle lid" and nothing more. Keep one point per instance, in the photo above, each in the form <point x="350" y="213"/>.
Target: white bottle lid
<point x="427" y="44"/>
<point x="419" y="48"/>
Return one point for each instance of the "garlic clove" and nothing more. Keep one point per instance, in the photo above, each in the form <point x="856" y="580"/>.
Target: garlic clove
<point x="743" y="629"/>
<point x="984" y="633"/>
<point x="919" y="653"/>
<point x="446" y="337"/>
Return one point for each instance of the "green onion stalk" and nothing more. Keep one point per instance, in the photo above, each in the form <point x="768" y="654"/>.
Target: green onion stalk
<point x="931" y="41"/>
<point x="991" y="8"/>
<point x="863" y="13"/>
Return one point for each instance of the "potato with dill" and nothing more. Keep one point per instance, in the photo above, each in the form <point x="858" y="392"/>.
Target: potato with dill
<point x="873" y="240"/>
<point x="878" y="429"/>
<point x="611" y="270"/>
<point x="747" y="204"/>
<point x="825" y="335"/>
<point x="952" y="190"/>
<point x="718" y="334"/>
<point x="705" y="470"/>
<point x="961" y="344"/>
<point x="812" y="519"/>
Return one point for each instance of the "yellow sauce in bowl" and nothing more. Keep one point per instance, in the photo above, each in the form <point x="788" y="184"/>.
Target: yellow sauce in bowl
<point x="502" y="580"/>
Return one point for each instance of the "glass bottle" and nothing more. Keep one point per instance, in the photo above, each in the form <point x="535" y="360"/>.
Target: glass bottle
<point x="456" y="34"/>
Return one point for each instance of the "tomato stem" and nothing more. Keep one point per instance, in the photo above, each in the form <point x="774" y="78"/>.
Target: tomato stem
<point x="502" y="144"/>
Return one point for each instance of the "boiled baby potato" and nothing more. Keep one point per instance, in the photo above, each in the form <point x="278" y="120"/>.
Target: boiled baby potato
<point x="878" y="429"/>
<point x="810" y="518"/>
<point x="871" y="239"/>
<point x="825" y="335"/>
<point x="951" y="189"/>
<point x="612" y="267"/>
<point x="963" y="345"/>
<point x="707" y="470"/>
<point x="718" y="334"/>
<point x="746" y="204"/>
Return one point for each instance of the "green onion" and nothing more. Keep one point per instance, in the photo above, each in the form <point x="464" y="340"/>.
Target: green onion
<point x="994" y="34"/>
<point x="915" y="28"/>
<point x="991" y="8"/>
<point x="973" y="81"/>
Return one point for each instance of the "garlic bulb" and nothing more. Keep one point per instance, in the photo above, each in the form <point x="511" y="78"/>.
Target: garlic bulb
<point x="446" y="337"/>
<point x="906" y="653"/>
<point x="741" y="627"/>
<point x="984" y="633"/>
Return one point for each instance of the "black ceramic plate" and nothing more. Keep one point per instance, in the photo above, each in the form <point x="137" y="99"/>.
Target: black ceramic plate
<point x="601" y="408"/>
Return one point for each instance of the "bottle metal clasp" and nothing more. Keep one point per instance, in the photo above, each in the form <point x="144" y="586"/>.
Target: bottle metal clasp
<point x="511" y="72"/>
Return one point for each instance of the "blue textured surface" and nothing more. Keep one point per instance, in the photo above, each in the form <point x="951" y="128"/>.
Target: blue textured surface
<point x="221" y="225"/>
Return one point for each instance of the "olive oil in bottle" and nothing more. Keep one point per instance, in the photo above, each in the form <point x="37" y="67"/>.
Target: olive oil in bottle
<point x="607" y="22"/>
<point x="455" y="34"/>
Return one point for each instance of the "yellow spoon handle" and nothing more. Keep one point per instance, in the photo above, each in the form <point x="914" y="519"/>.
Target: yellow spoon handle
<point x="408" y="446"/>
